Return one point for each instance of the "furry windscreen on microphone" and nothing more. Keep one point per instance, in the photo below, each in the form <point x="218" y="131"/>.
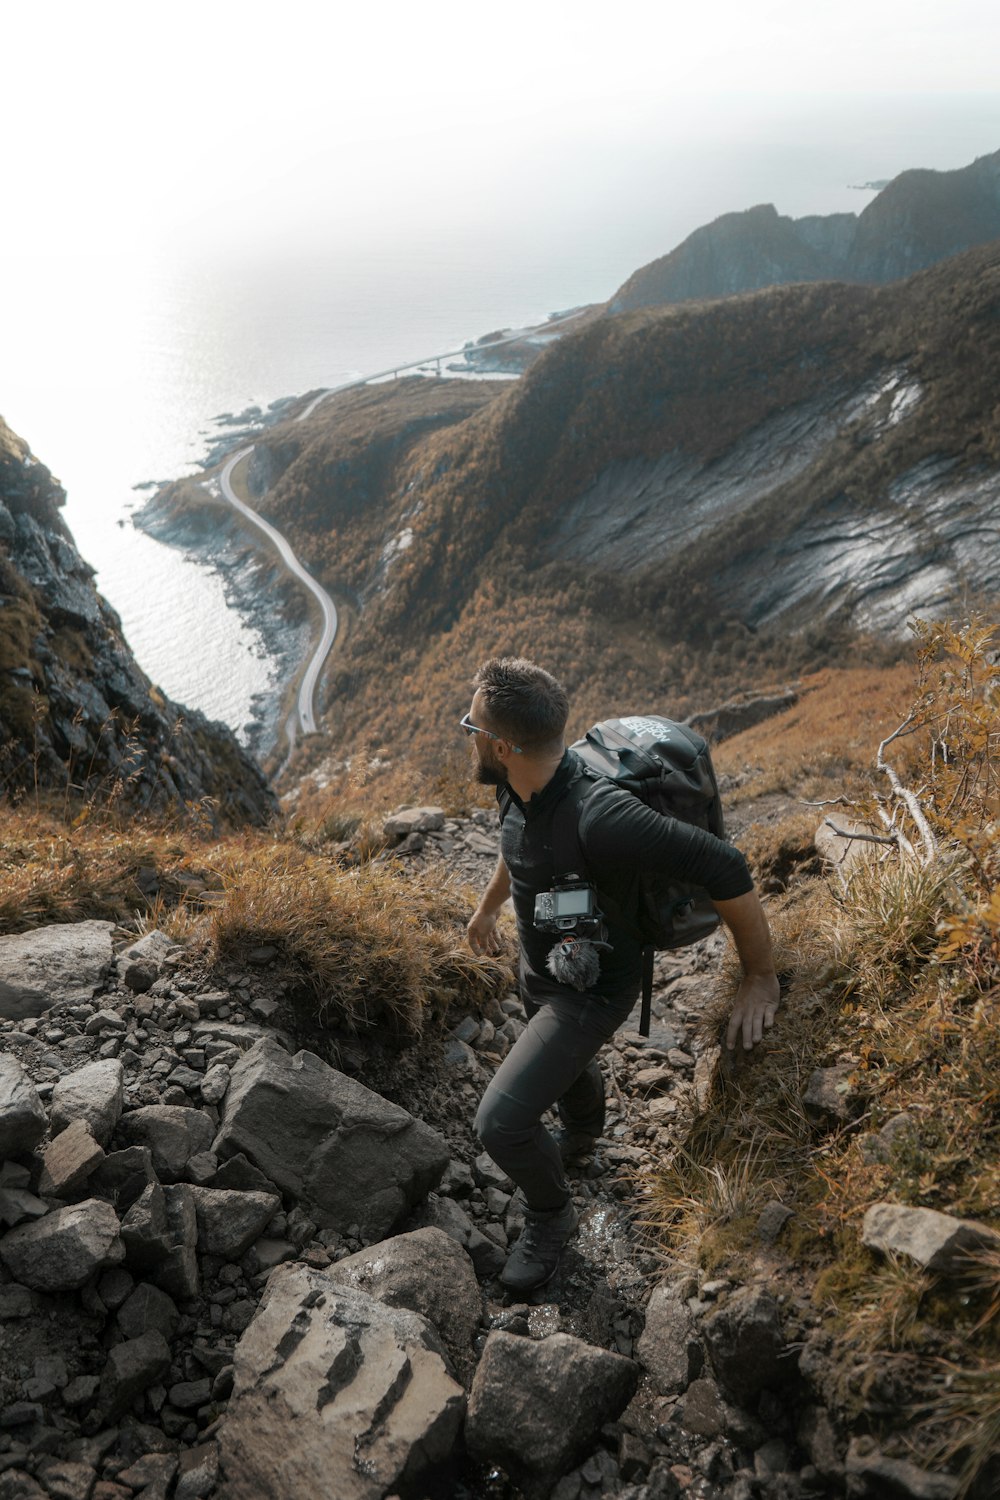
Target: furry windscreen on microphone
<point x="575" y="961"/>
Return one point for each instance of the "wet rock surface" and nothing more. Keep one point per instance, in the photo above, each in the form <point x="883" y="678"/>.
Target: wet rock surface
<point x="211" y="1294"/>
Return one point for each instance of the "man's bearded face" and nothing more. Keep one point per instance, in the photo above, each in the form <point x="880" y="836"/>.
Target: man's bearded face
<point x="488" y="769"/>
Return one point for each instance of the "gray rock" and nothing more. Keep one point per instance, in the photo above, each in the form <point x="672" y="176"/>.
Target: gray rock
<point x="537" y="1408"/>
<point x="62" y="1251"/>
<point x="15" y="1484"/>
<point x="871" y="1474"/>
<point x="242" y="1176"/>
<point x="125" y="1175"/>
<point x="817" y="1437"/>
<point x="69" y="1160"/>
<point x="65" y="1479"/>
<point x="145" y="1231"/>
<point x="363" y="1386"/>
<point x="178" y="1274"/>
<point x="198" y="1472"/>
<point x="934" y="1240"/>
<point x="773" y="1218"/>
<point x="459" y="1060"/>
<point x="152" y="947"/>
<point x="16" y="1205"/>
<point x="829" y="1099"/>
<point x="94" y="1093"/>
<point x="669" y="1348"/>
<point x="173" y="1134"/>
<point x="894" y="1134"/>
<point x="16" y="1302"/>
<point x="22" y="1114"/>
<point x="746" y="1344"/>
<point x="413" y="820"/>
<point x="430" y="1274"/>
<point x="131" y="1367"/>
<point x="188" y="1395"/>
<point x="104" y="1020"/>
<point x="114" y="1286"/>
<point x="152" y="1470"/>
<point x="139" y="976"/>
<point x="62" y="964"/>
<point x="160" y="1232"/>
<point x="228" y="1223"/>
<point x="348" y="1155"/>
<point x="215" y="1083"/>
<point x="703" y="1411"/>
<point x="148" y="1310"/>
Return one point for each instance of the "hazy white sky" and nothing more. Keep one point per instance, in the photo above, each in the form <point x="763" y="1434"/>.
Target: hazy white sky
<point x="210" y="120"/>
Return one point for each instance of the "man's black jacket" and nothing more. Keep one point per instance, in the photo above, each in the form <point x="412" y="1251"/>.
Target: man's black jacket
<point x="620" y="838"/>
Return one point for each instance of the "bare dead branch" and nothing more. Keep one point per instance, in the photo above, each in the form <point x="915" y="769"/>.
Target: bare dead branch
<point x="865" y="838"/>
<point x="906" y="796"/>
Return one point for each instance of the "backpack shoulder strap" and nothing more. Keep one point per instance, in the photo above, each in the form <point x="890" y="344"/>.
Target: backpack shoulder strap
<point x="567" y="848"/>
<point x="505" y="802"/>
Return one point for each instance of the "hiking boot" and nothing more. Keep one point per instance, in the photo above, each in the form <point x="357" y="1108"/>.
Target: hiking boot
<point x="574" y="1145"/>
<point x="536" y="1254"/>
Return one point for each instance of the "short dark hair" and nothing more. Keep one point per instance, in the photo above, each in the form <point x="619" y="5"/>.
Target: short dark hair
<point x="524" y="702"/>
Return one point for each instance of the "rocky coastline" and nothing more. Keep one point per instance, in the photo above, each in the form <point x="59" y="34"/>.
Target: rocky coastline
<point x="255" y="584"/>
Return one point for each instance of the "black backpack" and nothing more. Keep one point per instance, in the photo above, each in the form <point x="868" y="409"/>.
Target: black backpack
<point x="667" y="766"/>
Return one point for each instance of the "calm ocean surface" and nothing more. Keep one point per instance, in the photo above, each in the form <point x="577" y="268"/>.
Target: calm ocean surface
<point x="113" y="369"/>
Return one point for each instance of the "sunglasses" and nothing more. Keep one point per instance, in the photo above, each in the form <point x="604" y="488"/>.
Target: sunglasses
<point x="471" y="728"/>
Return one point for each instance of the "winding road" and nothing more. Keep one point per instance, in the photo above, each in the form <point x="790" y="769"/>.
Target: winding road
<point x="307" y="687"/>
<point x="306" y="707"/>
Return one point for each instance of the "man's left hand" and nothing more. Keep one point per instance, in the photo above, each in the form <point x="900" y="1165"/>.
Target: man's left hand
<point x="754" y="1011"/>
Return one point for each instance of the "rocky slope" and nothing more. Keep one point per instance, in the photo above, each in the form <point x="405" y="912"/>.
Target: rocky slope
<point x="918" y="219"/>
<point x="76" y="712"/>
<point x="215" y="1242"/>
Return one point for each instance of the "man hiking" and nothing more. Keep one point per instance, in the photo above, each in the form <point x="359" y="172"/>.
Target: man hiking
<point x="517" y="722"/>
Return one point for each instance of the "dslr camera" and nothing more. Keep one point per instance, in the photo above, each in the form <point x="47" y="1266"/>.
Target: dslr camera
<point x="570" y="910"/>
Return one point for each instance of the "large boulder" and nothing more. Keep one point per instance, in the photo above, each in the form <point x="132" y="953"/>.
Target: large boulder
<point x="429" y="1273"/>
<point x="50" y="965"/>
<point x="537" y="1407"/>
<point x="94" y="1093"/>
<point x="334" y="1394"/>
<point x="22" y="1114"/>
<point x="62" y="1251"/>
<point x="348" y="1155"/>
<point x="934" y="1240"/>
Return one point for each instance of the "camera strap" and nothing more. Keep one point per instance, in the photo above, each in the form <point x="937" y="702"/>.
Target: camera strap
<point x="568" y="859"/>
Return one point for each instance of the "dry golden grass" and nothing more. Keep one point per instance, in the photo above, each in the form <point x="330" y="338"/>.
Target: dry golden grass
<point x="54" y="870"/>
<point x="824" y="745"/>
<point x="371" y="950"/>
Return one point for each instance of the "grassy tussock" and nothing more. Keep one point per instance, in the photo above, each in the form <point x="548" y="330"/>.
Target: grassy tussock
<point x="370" y="949"/>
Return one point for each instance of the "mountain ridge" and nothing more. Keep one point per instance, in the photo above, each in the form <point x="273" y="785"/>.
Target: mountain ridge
<point x="921" y="217"/>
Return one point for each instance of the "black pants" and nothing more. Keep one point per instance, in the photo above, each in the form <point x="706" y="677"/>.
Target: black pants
<point x="552" y="1062"/>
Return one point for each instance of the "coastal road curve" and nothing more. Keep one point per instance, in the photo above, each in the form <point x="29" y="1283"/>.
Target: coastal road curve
<point x="307" y="687"/>
<point x="310" y="678"/>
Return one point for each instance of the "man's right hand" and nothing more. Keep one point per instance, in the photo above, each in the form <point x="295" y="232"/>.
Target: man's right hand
<point x="482" y="930"/>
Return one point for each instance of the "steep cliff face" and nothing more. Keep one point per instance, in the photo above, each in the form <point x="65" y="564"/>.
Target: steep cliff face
<point x="920" y="218"/>
<point x="75" y="710"/>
